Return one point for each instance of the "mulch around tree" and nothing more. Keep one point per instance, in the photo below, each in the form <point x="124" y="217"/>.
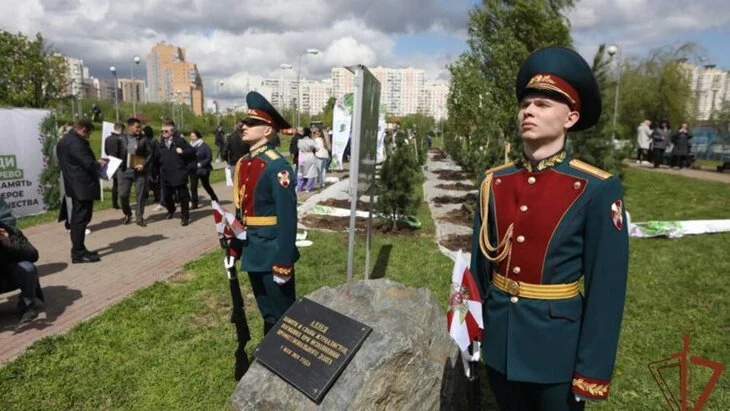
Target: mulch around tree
<point x="438" y="155"/>
<point x="463" y="215"/>
<point x="470" y="198"/>
<point x="456" y="187"/>
<point x="457" y="242"/>
<point x="450" y="175"/>
<point x="361" y="205"/>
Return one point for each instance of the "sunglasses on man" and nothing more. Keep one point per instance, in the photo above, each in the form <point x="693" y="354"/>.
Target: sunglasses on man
<point x="253" y="122"/>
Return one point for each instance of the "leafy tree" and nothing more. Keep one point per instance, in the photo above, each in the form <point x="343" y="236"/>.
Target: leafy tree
<point x="30" y="75"/>
<point x="51" y="174"/>
<point x="482" y="107"/>
<point x="595" y="145"/>
<point x="655" y="88"/>
<point x="327" y="113"/>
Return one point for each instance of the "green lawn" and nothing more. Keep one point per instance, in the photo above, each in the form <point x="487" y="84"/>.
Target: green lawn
<point x="170" y="346"/>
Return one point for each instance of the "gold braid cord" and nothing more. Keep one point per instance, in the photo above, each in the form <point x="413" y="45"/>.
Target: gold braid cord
<point x="281" y="271"/>
<point x="237" y="193"/>
<point x="503" y="249"/>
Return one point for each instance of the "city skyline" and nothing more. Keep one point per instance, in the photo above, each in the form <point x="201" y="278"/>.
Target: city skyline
<point x="230" y="40"/>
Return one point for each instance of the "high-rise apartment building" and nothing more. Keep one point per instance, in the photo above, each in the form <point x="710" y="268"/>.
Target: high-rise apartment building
<point x="434" y="100"/>
<point x="401" y="90"/>
<point x="315" y="95"/>
<point x="171" y="78"/>
<point x="76" y="75"/>
<point x="132" y="90"/>
<point x="711" y="88"/>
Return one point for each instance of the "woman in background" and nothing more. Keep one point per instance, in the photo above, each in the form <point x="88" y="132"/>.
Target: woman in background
<point x="201" y="170"/>
<point x="307" y="162"/>
<point x="322" y="155"/>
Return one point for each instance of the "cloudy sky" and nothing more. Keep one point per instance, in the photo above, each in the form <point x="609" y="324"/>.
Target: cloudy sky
<point x="231" y="38"/>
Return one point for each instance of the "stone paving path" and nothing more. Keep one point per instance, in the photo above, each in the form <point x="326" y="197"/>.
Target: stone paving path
<point x="133" y="257"/>
<point x="435" y="164"/>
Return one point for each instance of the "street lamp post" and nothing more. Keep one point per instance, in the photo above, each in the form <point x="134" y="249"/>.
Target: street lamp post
<point x="116" y="88"/>
<point x="134" y="88"/>
<point x="612" y="50"/>
<point x="299" y="93"/>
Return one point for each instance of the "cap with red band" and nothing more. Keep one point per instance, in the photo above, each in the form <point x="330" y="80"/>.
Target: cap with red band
<point x="563" y="73"/>
<point x="551" y="82"/>
<point x="260" y="115"/>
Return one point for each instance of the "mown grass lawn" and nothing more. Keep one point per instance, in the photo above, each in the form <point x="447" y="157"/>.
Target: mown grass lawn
<point x="170" y="346"/>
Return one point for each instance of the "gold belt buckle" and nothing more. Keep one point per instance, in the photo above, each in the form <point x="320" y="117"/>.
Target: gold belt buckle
<point x="513" y="288"/>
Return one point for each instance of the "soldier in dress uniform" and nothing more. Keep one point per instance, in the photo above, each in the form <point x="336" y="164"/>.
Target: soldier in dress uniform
<point x="543" y="222"/>
<point x="266" y="205"/>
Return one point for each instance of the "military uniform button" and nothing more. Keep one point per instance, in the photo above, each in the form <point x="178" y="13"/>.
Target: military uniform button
<point x="520" y="239"/>
<point x="576" y="185"/>
<point x="516" y="270"/>
<point x="514" y="300"/>
<point x="523" y="208"/>
<point x="498" y="181"/>
<point x="531" y="180"/>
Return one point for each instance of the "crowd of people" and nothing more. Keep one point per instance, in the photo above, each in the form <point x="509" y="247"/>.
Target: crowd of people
<point x="652" y="145"/>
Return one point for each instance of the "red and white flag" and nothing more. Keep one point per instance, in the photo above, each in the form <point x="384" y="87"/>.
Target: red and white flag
<point x="464" y="319"/>
<point x="226" y="223"/>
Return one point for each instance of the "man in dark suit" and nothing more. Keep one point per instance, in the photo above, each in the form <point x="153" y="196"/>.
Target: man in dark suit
<point x="137" y="153"/>
<point x="112" y="148"/>
<point x="81" y="181"/>
<point x="234" y="148"/>
<point x="173" y="154"/>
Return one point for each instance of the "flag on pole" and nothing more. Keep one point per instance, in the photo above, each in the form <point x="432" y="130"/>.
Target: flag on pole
<point x="226" y="223"/>
<point x="464" y="318"/>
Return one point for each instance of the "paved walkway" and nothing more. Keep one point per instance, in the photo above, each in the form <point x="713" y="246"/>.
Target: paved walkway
<point x="686" y="172"/>
<point x="132" y="258"/>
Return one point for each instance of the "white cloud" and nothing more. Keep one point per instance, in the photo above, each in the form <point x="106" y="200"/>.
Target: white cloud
<point x="638" y="25"/>
<point x="228" y="39"/>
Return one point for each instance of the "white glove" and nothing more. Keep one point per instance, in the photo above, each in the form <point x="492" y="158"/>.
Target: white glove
<point x="466" y="358"/>
<point x="579" y="398"/>
<point x="281" y="280"/>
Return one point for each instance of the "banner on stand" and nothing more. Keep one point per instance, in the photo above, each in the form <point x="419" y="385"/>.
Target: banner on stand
<point x="21" y="159"/>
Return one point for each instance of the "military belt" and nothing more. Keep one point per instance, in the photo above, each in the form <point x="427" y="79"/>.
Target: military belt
<point x="537" y="291"/>
<point x="259" y="221"/>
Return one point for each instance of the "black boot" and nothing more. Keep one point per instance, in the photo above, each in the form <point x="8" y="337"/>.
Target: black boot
<point x="267" y="327"/>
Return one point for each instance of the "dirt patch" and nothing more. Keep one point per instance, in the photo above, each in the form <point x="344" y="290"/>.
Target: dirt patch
<point x="342" y="224"/>
<point x="458" y="242"/>
<point x="469" y="198"/>
<point x="463" y="215"/>
<point x="437" y="154"/>
<point x="361" y="205"/>
<point x="450" y="175"/>
<point x="457" y="187"/>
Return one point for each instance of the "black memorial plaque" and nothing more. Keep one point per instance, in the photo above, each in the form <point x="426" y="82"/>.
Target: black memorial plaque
<point x="310" y="346"/>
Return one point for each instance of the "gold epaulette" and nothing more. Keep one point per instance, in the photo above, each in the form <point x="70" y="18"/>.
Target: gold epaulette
<point x="272" y="154"/>
<point x="592" y="170"/>
<point x="505" y="165"/>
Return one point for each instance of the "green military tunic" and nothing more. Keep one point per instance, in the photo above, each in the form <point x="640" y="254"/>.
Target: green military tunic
<point x="539" y="229"/>
<point x="266" y="205"/>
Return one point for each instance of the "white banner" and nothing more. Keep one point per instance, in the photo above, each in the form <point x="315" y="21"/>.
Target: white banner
<point x="106" y="131"/>
<point x="21" y="159"/>
<point x="380" y="153"/>
<point x="341" y="129"/>
<point x="677" y="229"/>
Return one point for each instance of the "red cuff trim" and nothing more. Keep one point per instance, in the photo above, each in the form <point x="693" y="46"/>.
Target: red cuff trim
<point x="590" y="387"/>
<point x="282" y="270"/>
